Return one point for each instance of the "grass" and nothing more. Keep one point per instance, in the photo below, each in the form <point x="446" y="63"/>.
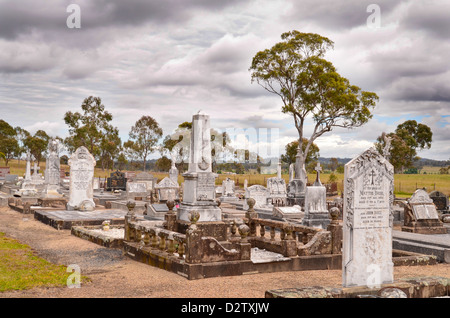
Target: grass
<point x="21" y="269"/>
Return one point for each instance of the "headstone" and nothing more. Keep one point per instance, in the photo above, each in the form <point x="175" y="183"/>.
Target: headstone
<point x="368" y="220"/>
<point x="167" y="190"/>
<point x="332" y="189"/>
<point x="96" y="184"/>
<point x="316" y="211"/>
<point x="421" y="215"/>
<point x="52" y="170"/>
<point x="297" y="186"/>
<point x="4" y="171"/>
<point x="199" y="181"/>
<point x="81" y="193"/>
<point x="259" y="194"/>
<point x="440" y="200"/>
<point x="36" y="178"/>
<point x="130" y="175"/>
<point x="137" y="190"/>
<point x="173" y="171"/>
<point x="28" y="167"/>
<point x="228" y="187"/>
<point x="116" y="181"/>
<point x="228" y="191"/>
<point x="146" y="178"/>
<point x="11" y="179"/>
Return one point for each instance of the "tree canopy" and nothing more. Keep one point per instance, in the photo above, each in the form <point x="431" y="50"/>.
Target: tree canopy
<point x="144" y="136"/>
<point x="291" y="152"/>
<point x="310" y="86"/>
<point x="408" y="138"/>
<point x="8" y="142"/>
<point x="92" y="129"/>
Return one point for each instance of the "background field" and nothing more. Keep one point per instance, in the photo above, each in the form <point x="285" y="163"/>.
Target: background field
<point x="404" y="184"/>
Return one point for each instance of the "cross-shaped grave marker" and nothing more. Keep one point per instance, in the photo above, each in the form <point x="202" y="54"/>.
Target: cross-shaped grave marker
<point x="318" y="169"/>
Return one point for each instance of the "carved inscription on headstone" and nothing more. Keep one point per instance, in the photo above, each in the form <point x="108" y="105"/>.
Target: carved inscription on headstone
<point x="81" y="195"/>
<point x="368" y="220"/>
<point x="205" y="187"/>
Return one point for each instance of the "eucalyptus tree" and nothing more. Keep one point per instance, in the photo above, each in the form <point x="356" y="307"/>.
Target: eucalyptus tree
<point x="310" y="87"/>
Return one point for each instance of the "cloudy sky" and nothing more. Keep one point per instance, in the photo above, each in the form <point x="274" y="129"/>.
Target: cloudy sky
<point x="169" y="59"/>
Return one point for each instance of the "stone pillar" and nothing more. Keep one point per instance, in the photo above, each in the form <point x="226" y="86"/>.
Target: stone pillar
<point x="199" y="182"/>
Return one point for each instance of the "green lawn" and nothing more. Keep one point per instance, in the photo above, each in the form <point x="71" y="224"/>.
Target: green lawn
<point x="21" y="269"/>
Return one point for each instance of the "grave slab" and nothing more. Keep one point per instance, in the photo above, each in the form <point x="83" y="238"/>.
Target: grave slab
<point x="62" y="219"/>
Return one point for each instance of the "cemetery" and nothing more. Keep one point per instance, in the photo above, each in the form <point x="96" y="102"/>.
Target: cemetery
<point x="193" y="231"/>
<point x="236" y="196"/>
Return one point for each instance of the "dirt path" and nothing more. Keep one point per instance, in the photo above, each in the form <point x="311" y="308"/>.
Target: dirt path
<point x="113" y="274"/>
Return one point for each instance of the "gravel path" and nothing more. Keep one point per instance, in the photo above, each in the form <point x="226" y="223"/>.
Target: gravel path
<point x="114" y="275"/>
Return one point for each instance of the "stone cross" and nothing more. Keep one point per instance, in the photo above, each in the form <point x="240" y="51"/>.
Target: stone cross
<point x="318" y="169"/>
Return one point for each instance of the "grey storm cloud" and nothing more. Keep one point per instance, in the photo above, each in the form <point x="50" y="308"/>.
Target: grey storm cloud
<point x="26" y="16"/>
<point x="429" y="17"/>
<point x="338" y="15"/>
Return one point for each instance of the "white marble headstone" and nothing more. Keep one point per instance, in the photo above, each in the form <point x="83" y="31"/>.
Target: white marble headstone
<point x="368" y="220"/>
<point x="423" y="206"/>
<point x="81" y="195"/>
<point x="259" y="193"/>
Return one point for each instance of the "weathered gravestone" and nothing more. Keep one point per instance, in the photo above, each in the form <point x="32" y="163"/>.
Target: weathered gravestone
<point x="316" y="210"/>
<point x="368" y="220"/>
<point x="116" y="181"/>
<point x="4" y="171"/>
<point x="276" y="186"/>
<point x="147" y="178"/>
<point x="297" y="184"/>
<point x="440" y="200"/>
<point x="167" y="190"/>
<point x="137" y="191"/>
<point x="228" y="190"/>
<point x="81" y="191"/>
<point x="52" y="170"/>
<point x="421" y="215"/>
<point x="173" y="171"/>
<point x="259" y="194"/>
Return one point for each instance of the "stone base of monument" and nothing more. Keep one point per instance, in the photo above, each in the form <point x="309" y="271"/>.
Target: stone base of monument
<point x="176" y="264"/>
<point x="228" y="199"/>
<point x="417" y="287"/>
<point x="300" y="200"/>
<point x="431" y="226"/>
<point x="317" y="220"/>
<point x="209" y="212"/>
